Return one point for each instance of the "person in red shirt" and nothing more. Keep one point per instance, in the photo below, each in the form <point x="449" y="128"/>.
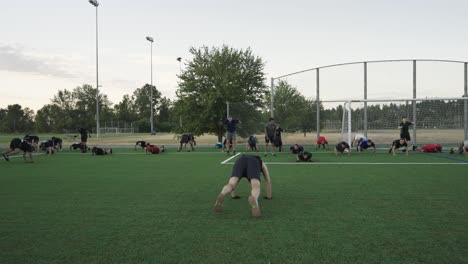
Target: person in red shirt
<point x="153" y="149"/>
<point x="430" y="148"/>
<point x="321" y="141"/>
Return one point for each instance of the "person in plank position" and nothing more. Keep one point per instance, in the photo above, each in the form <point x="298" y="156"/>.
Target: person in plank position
<point x="342" y="147"/>
<point x="399" y="144"/>
<point x="248" y="167"/>
<point x="429" y="148"/>
<point x="365" y="144"/>
<point x="17" y="145"/>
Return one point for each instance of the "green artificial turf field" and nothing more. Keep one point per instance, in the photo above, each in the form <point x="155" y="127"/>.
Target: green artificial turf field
<point x="136" y="208"/>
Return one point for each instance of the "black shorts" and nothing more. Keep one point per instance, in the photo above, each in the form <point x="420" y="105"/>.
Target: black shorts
<point x="26" y="147"/>
<point x="269" y="139"/>
<point x="253" y="145"/>
<point x="184" y="139"/>
<point x="84" y="139"/>
<point x="278" y="142"/>
<point x="248" y="167"/>
<point x="405" y="136"/>
<point x="15" y="143"/>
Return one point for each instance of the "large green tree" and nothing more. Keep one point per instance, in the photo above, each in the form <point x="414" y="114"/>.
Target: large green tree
<point x="15" y="119"/>
<point x="213" y="77"/>
<point x="70" y="109"/>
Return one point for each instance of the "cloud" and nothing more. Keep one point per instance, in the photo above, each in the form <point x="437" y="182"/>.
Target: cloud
<point x="17" y="59"/>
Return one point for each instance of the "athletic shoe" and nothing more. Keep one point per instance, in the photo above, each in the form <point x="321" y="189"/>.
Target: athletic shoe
<point x="5" y="156"/>
<point x="236" y="197"/>
<point x="219" y="203"/>
<point x="254" y="206"/>
<point x="414" y="148"/>
<point x="265" y="154"/>
<point x="273" y="154"/>
<point x="234" y="152"/>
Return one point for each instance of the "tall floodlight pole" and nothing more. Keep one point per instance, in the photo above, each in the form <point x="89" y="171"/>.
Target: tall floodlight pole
<point x="96" y="4"/>
<point x="150" y="39"/>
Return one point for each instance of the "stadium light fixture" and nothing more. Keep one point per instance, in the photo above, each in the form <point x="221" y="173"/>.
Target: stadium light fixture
<point x="150" y="39"/>
<point x="94" y="3"/>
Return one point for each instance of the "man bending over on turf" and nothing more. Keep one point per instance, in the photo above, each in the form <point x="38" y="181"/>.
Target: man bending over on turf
<point x="321" y="141"/>
<point x="48" y="146"/>
<point x="397" y="144"/>
<point x="365" y="144"/>
<point x="463" y="149"/>
<point x="252" y="143"/>
<point x="248" y="167"/>
<point x="58" y="143"/>
<point x="17" y="145"/>
<point x="304" y="156"/>
<point x="357" y="139"/>
<point x="140" y="143"/>
<point x="186" y="138"/>
<point x="296" y="149"/>
<point x="342" y="147"/>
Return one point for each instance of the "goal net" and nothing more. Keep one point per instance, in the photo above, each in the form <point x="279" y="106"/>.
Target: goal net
<point x="435" y="120"/>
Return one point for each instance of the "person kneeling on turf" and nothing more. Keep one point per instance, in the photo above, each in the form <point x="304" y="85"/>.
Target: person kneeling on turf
<point x="304" y="156"/>
<point x="342" y="147"/>
<point x="250" y="168"/>
<point x="99" y="151"/>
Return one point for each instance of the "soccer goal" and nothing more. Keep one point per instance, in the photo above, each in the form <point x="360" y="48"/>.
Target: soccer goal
<point x="434" y="120"/>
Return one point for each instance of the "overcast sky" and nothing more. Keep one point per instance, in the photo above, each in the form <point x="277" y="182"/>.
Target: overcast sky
<point x="49" y="45"/>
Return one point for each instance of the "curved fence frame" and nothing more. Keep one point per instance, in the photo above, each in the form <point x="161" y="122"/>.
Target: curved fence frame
<point x="364" y="63"/>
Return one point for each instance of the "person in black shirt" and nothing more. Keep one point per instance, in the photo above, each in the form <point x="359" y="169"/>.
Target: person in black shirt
<point x="99" y="151"/>
<point x="48" y="146"/>
<point x="247" y="167"/>
<point x="304" y="156"/>
<point x="252" y="143"/>
<point x="187" y="138"/>
<point x="17" y="145"/>
<point x="141" y="143"/>
<point x="278" y="140"/>
<point x="84" y="133"/>
<point x="397" y="144"/>
<point x="342" y="147"/>
<point x="404" y="129"/>
<point x="58" y="143"/>
<point x="33" y="140"/>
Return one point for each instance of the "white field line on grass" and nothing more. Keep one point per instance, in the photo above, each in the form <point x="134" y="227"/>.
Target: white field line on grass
<point x="21" y="155"/>
<point x="359" y="163"/>
<point x="131" y="153"/>
<point x="227" y="160"/>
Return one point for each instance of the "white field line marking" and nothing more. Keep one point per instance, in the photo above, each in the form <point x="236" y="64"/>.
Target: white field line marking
<point x="130" y="153"/>
<point x="225" y="162"/>
<point x="21" y="155"/>
<point x="360" y="163"/>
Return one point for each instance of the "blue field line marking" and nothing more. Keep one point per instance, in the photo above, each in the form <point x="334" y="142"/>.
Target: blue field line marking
<point x="443" y="157"/>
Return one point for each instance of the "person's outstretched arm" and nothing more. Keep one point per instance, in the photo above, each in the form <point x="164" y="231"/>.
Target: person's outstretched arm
<point x="266" y="176"/>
